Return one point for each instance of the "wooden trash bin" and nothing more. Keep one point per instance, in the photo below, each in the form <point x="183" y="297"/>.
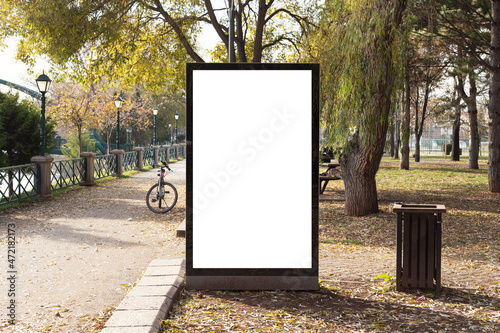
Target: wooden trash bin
<point x="418" y="257"/>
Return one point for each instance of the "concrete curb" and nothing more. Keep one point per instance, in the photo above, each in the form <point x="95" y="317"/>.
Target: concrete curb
<point x="149" y="302"/>
<point x="181" y="229"/>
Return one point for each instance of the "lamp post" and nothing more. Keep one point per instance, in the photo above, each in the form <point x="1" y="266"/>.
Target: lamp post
<point x="43" y="83"/>
<point x="155" y="112"/>
<point x="230" y="45"/>
<point x="169" y="133"/>
<point x="176" y="118"/>
<point x="118" y="104"/>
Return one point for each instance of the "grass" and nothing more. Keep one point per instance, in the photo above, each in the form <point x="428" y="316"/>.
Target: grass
<point x="472" y="212"/>
<point x="438" y="158"/>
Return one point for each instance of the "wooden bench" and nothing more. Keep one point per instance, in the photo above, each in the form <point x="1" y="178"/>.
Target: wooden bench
<point x="333" y="173"/>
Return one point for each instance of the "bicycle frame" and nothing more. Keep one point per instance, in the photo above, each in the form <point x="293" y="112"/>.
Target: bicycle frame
<point x="161" y="174"/>
<point x="161" y="179"/>
<point x="162" y="197"/>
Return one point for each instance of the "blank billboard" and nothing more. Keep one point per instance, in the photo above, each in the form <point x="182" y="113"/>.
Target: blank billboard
<point x="252" y="169"/>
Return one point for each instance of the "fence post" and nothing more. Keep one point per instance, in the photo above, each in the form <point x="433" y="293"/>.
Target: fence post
<point x="43" y="176"/>
<point x="156" y="151"/>
<point x="88" y="177"/>
<point x="183" y="150"/>
<point x="119" y="162"/>
<point x="140" y="156"/>
<point x="167" y="149"/>
<point x="167" y="152"/>
<point x="176" y="147"/>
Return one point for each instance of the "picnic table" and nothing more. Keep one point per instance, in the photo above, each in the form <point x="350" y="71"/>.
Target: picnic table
<point x="332" y="173"/>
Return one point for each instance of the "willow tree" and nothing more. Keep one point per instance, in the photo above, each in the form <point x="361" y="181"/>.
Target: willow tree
<point x="362" y="67"/>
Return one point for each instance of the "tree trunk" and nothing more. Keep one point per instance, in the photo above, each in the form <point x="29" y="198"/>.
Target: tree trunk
<point x="359" y="182"/>
<point x="417" y="147"/>
<point x="494" y="106"/>
<point x="398" y="140"/>
<point x="417" y="142"/>
<point x="474" y="135"/>
<point x="11" y="183"/>
<point x="471" y="103"/>
<point x="240" y="38"/>
<point x="405" y="126"/>
<point x="393" y="145"/>
<point x="419" y="124"/>
<point x="259" y="31"/>
<point x="108" y="138"/>
<point x="455" y="147"/>
<point x="79" y="140"/>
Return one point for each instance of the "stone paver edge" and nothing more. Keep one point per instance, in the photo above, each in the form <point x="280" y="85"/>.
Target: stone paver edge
<point x="139" y="313"/>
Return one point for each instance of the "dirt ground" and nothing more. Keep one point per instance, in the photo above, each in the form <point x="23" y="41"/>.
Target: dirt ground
<point x="357" y="294"/>
<point x="77" y="254"/>
<point x="357" y="268"/>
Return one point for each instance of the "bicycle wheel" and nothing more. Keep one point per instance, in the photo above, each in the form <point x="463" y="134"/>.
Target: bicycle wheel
<point x="161" y="203"/>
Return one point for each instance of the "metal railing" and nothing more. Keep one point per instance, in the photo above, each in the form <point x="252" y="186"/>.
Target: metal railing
<point x="66" y="173"/>
<point x="173" y="152"/>
<point x="181" y="151"/>
<point x="24" y="181"/>
<point x="162" y="155"/>
<point x="129" y="161"/>
<point x="104" y="166"/>
<point x="17" y="183"/>
<point x="148" y="157"/>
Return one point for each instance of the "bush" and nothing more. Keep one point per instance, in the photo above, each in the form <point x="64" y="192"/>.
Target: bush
<point x="20" y="138"/>
<point x="446" y="148"/>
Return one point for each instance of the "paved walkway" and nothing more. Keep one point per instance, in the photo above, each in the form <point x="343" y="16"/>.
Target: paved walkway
<point x="78" y="253"/>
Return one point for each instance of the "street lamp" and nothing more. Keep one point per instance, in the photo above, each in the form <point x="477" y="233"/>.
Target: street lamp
<point x="169" y="133"/>
<point x="155" y="112"/>
<point x="43" y="84"/>
<point x="176" y="117"/>
<point x="118" y="104"/>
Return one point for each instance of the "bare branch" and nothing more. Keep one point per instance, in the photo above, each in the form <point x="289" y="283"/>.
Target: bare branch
<point x="279" y="40"/>
<point x="187" y="46"/>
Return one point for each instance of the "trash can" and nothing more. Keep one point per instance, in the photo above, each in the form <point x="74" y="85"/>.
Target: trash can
<point x="418" y="256"/>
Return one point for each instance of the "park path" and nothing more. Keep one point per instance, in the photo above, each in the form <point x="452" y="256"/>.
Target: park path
<point x="78" y="253"/>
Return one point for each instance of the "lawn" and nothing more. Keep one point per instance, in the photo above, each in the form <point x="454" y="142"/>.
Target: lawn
<point x="357" y="266"/>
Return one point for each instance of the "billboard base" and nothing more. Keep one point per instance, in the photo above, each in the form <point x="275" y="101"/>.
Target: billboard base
<point x="252" y="283"/>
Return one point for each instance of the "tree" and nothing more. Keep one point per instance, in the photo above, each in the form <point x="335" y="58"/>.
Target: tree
<point x="428" y="61"/>
<point x="362" y="45"/>
<point x="405" y="124"/>
<point x="81" y="108"/>
<point x="76" y="144"/>
<point x="72" y="105"/>
<point x="430" y="78"/>
<point x="150" y="40"/>
<point x="477" y="33"/>
<point x="21" y="129"/>
<point x="494" y="107"/>
<point x="135" y="112"/>
<point x="457" y="107"/>
<point x="471" y="102"/>
<point x="168" y="104"/>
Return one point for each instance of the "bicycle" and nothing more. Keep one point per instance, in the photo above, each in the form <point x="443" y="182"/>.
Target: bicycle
<point x="162" y="197"/>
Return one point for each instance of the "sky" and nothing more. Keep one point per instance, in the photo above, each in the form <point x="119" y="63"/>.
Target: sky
<point x="15" y="71"/>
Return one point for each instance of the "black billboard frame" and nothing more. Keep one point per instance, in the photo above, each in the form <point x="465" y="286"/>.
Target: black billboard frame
<point x="253" y="278"/>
